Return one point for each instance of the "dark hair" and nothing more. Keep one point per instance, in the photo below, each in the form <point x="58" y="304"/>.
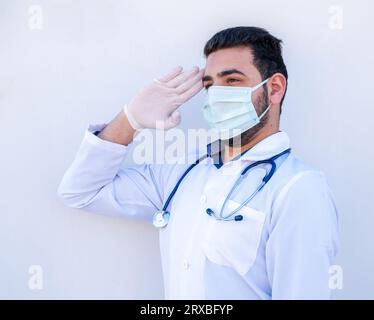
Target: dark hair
<point x="266" y="49"/>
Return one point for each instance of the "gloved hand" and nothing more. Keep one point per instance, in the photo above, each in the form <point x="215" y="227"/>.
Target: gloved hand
<point x="158" y="102"/>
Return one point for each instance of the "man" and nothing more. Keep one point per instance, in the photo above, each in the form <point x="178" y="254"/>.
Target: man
<point x="217" y="243"/>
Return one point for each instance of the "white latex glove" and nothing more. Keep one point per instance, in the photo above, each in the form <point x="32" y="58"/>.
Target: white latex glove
<point x="156" y="104"/>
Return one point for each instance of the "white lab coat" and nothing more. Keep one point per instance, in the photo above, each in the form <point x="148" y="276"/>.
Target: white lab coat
<point x="282" y="249"/>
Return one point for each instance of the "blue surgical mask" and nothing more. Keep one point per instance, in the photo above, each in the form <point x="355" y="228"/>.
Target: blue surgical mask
<point x="230" y="110"/>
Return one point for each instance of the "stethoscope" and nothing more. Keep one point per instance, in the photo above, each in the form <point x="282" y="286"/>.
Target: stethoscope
<point x="161" y="218"/>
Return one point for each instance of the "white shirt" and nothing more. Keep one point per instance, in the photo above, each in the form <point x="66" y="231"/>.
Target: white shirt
<point x="282" y="249"/>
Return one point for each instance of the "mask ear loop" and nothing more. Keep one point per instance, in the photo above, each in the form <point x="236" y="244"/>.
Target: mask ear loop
<point x="266" y="110"/>
<point x="260" y="84"/>
<point x="255" y="88"/>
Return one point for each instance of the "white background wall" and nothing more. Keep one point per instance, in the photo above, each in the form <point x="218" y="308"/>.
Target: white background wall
<point x="91" y="56"/>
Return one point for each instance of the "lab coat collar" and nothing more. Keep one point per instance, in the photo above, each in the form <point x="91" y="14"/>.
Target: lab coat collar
<point x="265" y="149"/>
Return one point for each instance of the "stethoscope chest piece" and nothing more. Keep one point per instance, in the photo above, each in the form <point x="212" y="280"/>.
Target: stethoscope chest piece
<point x="161" y="218"/>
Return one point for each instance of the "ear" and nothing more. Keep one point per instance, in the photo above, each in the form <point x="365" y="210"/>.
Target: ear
<point x="277" y="87"/>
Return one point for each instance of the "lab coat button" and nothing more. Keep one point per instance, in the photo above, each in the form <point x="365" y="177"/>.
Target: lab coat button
<point x="186" y="265"/>
<point x="203" y="199"/>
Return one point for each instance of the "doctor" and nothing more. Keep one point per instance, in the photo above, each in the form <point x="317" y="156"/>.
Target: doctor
<point x="264" y="228"/>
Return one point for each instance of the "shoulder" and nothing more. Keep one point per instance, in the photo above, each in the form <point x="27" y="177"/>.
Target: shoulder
<point x="303" y="175"/>
<point x="300" y="179"/>
<point x="304" y="197"/>
<point x="295" y="172"/>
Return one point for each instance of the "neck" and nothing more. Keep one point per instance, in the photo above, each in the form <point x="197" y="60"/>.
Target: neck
<point x="231" y="152"/>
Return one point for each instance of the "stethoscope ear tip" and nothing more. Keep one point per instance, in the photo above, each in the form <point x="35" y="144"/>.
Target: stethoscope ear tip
<point x="239" y="217"/>
<point x="209" y="211"/>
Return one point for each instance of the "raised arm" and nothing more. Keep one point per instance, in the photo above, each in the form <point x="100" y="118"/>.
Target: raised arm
<point x="95" y="180"/>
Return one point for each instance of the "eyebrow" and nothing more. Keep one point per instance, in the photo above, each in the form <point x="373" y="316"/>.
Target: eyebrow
<point x="223" y="74"/>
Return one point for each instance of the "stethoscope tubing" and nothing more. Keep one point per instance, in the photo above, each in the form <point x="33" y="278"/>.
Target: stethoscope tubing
<point x="264" y="181"/>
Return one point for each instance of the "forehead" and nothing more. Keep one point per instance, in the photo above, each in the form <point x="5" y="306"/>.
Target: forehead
<point x="231" y="58"/>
